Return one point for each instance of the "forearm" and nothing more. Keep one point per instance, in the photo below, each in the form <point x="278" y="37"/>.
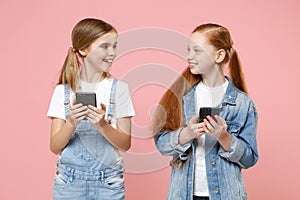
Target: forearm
<point x="185" y="136"/>
<point x="116" y="137"/>
<point x="225" y="140"/>
<point x="61" y="138"/>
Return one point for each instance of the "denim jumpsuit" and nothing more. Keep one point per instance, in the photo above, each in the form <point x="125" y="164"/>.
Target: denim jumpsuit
<point x="89" y="167"/>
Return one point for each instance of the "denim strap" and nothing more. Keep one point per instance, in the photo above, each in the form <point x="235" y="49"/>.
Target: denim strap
<point x="67" y="100"/>
<point x="112" y="106"/>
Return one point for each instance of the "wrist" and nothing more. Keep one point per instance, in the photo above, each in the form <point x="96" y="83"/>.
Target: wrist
<point x="185" y="136"/>
<point x="225" y="140"/>
<point x="70" y="124"/>
<point x="102" y="124"/>
<point x="224" y="136"/>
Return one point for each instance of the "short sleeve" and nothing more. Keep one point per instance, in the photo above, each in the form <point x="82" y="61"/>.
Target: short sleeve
<point x="57" y="108"/>
<point x="124" y="106"/>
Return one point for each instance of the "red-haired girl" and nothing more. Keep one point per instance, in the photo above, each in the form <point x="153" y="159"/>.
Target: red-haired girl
<point x="208" y="155"/>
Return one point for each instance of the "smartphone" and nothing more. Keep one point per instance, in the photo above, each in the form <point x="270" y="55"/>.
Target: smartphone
<point x="86" y="98"/>
<point x="211" y="111"/>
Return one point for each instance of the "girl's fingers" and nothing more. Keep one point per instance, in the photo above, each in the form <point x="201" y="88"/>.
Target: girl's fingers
<point x="79" y="115"/>
<point x="220" y="120"/>
<point x="75" y="106"/>
<point x="212" y="121"/>
<point x="194" y="119"/>
<point x="96" y="112"/>
<point x="93" y="120"/>
<point x="80" y="118"/>
<point x="73" y="101"/>
<point x="208" y="126"/>
<point x="78" y="108"/>
<point x="200" y="130"/>
<point x="200" y="133"/>
<point x="90" y="119"/>
<point x="103" y="107"/>
<point x="193" y="126"/>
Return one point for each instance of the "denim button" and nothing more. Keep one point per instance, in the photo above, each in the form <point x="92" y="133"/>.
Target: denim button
<point x="121" y="176"/>
<point x="216" y="190"/>
<point x="212" y="162"/>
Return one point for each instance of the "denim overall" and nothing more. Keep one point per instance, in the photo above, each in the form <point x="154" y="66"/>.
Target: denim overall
<point x="89" y="167"/>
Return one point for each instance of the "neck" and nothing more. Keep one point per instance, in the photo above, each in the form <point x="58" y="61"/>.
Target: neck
<point x="214" y="78"/>
<point x="88" y="74"/>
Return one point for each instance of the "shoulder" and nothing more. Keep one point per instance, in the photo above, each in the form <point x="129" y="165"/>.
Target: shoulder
<point x="245" y="99"/>
<point x="59" y="88"/>
<point x="121" y="85"/>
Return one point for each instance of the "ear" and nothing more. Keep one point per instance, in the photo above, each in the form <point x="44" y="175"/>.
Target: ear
<point x="220" y="56"/>
<point x="84" y="52"/>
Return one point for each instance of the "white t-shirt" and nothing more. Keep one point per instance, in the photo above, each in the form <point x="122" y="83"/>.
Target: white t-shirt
<point x="205" y="97"/>
<point x="123" y="103"/>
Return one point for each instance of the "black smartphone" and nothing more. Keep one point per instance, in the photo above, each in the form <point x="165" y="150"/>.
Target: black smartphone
<point x="211" y="111"/>
<point x="86" y="98"/>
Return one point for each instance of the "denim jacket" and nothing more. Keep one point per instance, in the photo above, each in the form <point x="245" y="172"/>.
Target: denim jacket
<point x="223" y="169"/>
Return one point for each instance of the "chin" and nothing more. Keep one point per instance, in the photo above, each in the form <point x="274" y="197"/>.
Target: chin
<point x="195" y="71"/>
<point x="107" y="69"/>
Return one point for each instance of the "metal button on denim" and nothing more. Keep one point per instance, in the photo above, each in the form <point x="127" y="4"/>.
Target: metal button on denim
<point x="213" y="162"/>
<point x="216" y="190"/>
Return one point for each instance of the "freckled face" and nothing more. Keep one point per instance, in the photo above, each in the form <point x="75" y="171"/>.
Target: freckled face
<point x="200" y="53"/>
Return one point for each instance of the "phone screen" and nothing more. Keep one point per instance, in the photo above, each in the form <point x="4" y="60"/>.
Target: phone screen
<point x="211" y="111"/>
<point x="86" y="98"/>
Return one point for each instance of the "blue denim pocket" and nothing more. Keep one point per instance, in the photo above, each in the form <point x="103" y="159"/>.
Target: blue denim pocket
<point x="115" y="182"/>
<point x="61" y="180"/>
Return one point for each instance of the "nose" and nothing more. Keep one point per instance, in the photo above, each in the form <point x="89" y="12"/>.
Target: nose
<point x="112" y="51"/>
<point x="190" y="55"/>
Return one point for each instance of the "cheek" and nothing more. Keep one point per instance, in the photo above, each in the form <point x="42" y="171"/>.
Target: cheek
<point x="97" y="54"/>
<point x="204" y="61"/>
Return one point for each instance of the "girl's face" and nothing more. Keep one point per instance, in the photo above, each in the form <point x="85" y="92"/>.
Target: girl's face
<point x="200" y="54"/>
<point x="102" y="52"/>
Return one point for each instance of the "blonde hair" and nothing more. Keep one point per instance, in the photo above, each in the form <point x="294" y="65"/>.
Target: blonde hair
<point x="84" y="34"/>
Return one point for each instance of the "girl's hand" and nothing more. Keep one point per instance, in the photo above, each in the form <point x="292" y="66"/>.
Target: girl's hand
<point x="96" y="115"/>
<point x="193" y="130"/>
<point x="77" y="113"/>
<point x="215" y="128"/>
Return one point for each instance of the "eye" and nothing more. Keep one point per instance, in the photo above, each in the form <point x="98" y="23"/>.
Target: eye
<point x="115" y="46"/>
<point x="104" y="46"/>
<point x="197" y="50"/>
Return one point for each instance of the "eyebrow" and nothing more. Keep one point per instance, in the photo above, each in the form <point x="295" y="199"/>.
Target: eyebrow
<point x="107" y="43"/>
<point x="195" y="47"/>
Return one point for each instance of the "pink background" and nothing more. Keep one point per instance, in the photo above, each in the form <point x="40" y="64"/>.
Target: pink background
<point x="35" y="36"/>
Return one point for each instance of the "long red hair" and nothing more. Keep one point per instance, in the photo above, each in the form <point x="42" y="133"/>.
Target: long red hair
<point x="169" y="114"/>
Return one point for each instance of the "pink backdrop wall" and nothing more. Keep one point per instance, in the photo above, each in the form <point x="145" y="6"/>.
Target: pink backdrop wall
<point x="35" y="36"/>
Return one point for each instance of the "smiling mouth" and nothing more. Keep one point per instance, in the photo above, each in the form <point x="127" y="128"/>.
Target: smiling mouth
<point x="108" y="60"/>
<point x="192" y="64"/>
